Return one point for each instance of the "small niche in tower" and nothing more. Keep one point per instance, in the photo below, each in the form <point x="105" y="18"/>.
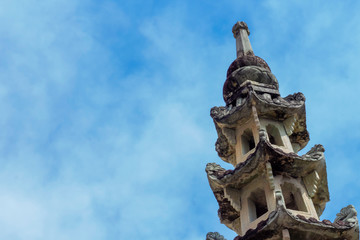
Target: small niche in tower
<point x="274" y="135"/>
<point x="257" y="204"/>
<point x="247" y="141"/>
<point x="293" y="198"/>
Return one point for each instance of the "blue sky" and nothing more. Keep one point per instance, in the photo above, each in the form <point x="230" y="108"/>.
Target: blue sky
<point x="105" y="126"/>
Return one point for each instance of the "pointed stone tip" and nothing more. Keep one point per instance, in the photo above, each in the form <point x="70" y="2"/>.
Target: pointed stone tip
<point x="240" y="25"/>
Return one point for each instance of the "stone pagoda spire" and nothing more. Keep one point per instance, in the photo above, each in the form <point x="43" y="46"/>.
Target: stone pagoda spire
<point x="272" y="192"/>
<point x="241" y="33"/>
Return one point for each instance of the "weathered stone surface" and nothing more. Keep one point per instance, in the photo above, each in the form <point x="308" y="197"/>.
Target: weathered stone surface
<point x="247" y="61"/>
<point x="239" y="76"/>
<point x="278" y="108"/>
<point x="224" y="149"/>
<point x="214" y="170"/>
<point x="290" y="163"/>
<point x="224" y="145"/>
<point x="219" y="112"/>
<point x="297" y="97"/>
<point x="272" y="193"/>
<point x="226" y="212"/>
<point x="240" y="26"/>
<point x="282" y="108"/>
<point x="241" y="33"/>
<point x="311" y="182"/>
<point x="289" y="124"/>
<point x="214" y="236"/>
<point x="300" y="228"/>
<point x="348" y="215"/>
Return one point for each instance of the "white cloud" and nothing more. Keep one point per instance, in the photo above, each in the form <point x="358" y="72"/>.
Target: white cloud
<point x="105" y="123"/>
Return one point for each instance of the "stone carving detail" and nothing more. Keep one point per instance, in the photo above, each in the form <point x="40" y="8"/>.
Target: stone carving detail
<point x="270" y="176"/>
<point x="239" y="76"/>
<point x="296" y="97"/>
<point x="347" y="214"/>
<point x="256" y="117"/>
<point x="315" y="153"/>
<point x="238" y="26"/>
<point x="262" y="135"/>
<point x="289" y="124"/>
<point x="218" y="112"/>
<point x="279" y="198"/>
<point x="214" y="169"/>
<point x="233" y="195"/>
<point x="224" y="149"/>
<point x="311" y="182"/>
<point x="214" y="236"/>
<point x="300" y="135"/>
<point x="226" y="212"/>
<point x="247" y="61"/>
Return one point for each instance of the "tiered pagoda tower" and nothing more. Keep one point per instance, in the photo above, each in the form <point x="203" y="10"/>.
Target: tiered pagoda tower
<point x="272" y="192"/>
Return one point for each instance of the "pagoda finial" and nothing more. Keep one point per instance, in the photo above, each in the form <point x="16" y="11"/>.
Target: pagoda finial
<point x="241" y="34"/>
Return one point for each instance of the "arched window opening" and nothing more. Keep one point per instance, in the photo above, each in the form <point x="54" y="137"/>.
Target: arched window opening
<point x="257" y="204"/>
<point x="247" y="141"/>
<point x="293" y="198"/>
<point x="274" y="135"/>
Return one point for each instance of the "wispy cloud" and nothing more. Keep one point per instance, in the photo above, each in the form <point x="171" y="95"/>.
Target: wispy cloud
<point x="105" y="109"/>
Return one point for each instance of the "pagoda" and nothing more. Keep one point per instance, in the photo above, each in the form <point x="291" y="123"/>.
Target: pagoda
<point x="272" y="192"/>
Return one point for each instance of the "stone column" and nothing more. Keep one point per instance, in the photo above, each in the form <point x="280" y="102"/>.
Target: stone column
<point x="241" y="34"/>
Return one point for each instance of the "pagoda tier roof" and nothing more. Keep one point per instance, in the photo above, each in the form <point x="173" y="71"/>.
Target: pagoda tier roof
<point x="270" y="105"/>
<point x="286" y="164"/>
<point x="345" y="226"/>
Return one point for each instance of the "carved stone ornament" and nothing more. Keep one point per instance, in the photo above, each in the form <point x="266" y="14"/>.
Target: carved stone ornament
<point x="219" y="112"/>
<point x="256" y="74"/>
<point x="315" y="153"/>
<point x="289" y="124"/>
<point x="214" y="236"/>
<point x="270" y="176"/>
<point x="238" y="26"/>
<point x="224" y="149"/>
<point x="279" y="198"/>
<point x="296" y="97"/>
<point x="311" y="182"/>
<point x="214" y="169"/>
<point x="247" y="61"/>
<point x="347" y="214"/>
